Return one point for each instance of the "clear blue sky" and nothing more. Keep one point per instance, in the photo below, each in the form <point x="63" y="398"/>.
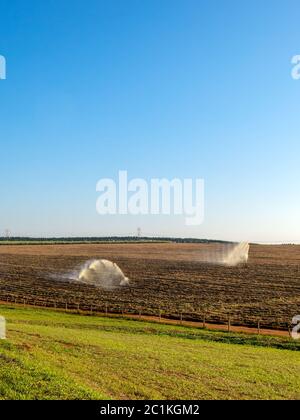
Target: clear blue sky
<point x="162" y="88"/>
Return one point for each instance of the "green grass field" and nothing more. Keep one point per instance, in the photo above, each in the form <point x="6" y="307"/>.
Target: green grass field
<point x="54" y="355"/>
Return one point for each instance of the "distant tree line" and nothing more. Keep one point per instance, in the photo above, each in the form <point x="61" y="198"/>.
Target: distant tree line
<point x="108" y="239"/>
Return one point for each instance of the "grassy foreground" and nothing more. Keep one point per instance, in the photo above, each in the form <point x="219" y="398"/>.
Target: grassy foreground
<point x="53" y="355"/>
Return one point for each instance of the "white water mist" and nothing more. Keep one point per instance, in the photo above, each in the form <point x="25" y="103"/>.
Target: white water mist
<point x="226" y="254"/>
<point x="104" y="274"/>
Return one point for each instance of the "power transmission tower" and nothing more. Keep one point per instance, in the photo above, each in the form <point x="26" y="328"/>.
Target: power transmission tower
<point x="139" y="232"/>
<point x="7" y="233"/>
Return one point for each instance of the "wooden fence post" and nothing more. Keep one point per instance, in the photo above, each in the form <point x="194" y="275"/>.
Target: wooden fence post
<point x="289" y="330"/>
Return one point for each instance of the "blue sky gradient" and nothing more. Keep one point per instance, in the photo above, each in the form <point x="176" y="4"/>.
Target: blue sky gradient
<point x="162" y="88"/>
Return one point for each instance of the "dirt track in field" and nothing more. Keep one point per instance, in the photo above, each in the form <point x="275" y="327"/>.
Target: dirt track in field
<point x="166" y="277"/>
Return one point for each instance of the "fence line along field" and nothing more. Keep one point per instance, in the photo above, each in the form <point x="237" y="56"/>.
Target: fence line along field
<point x="166" y="278"/>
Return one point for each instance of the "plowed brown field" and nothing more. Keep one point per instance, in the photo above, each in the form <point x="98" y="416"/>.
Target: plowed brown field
<point x="164" y="277"/>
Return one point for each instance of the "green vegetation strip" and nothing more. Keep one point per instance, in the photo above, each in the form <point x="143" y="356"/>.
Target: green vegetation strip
<point x="54" y="355"/>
